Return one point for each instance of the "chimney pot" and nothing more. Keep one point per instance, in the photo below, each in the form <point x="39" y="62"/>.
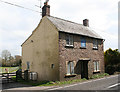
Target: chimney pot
<point x="86" y="22"/>
<point x="46" y="9"/>
<point x="45" y="3"/>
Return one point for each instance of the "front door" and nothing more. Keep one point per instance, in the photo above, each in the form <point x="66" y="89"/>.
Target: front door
<point x="84" y="69"/>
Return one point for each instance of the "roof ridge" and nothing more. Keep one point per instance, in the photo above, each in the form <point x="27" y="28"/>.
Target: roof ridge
<point x="66" y="20"/>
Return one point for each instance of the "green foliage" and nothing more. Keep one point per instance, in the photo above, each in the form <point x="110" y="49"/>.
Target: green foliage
<point x="59" y="83"/>
<point x="112" y="57"/>
<point x="9" y="69"/>
<point x="69" y="82"/>
<point x="11" y="63"/>
<point x="99" y="76"/>
<point x="6" y="60"/>
<point x="117" y="67"/>
<point x="112" y="60"/>
<point x="50" y="83"/>
<point x="110" y="69"/>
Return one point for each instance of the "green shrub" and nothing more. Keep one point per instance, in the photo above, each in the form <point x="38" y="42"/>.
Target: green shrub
<point x="110" y="69"/>
<point x="105" y="74"/>
<point x="99" y="76"/>
<point x="118" y="68"/>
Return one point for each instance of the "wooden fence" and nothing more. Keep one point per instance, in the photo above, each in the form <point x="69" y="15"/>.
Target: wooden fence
<point x="8" y="77"/>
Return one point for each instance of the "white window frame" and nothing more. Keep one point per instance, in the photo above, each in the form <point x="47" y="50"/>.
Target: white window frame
<point x="96" y="66"/>
<point x="69" y="38"/>
<point x="95" y="44"/>
<point x="70" y="68"/>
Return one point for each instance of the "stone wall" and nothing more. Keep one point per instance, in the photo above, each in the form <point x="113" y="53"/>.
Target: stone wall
<point x="75" y="53"/>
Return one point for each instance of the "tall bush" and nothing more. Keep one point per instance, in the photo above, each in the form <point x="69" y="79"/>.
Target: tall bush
<point x="112" y="60"/>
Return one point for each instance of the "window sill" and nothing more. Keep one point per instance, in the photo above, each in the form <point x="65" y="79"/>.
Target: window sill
<point x="69" y="46"/>
<point x="95" y="48"/>
<point x="70" y="75"/>
<point x="96" y="72"/>
<point x="82" y="47"/>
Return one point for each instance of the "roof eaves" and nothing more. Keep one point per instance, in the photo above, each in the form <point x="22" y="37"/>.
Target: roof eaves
<point x="81" y="35"/>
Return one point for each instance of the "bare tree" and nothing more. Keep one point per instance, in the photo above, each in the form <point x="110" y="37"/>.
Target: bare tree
<point x="6" y="55"/>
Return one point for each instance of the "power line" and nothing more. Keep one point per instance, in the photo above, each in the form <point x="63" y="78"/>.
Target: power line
<point x="19" y="6"/>
<point x="40" y="4"/>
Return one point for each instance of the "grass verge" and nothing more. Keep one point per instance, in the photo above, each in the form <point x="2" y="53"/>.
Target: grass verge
<point x="50" y="83"/>
<point x="59" y="83"/>
<point x="99" y="76"/>
<point x="9" y="69"/>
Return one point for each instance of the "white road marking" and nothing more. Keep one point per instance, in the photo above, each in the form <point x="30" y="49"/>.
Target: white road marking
<point x="82" y="83"/>
<point x="113" y="85"/>
<point x="56" y="88"/>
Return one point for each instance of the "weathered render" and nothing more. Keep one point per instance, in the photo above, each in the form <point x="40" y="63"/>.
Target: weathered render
<point x="41" y="50"/>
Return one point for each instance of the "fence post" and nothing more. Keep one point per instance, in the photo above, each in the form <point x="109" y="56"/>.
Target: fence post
<point x="26" y="75"/>
<point x="8" y="77"/>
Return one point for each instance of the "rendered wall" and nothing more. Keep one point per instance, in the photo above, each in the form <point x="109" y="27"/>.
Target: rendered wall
<point x="42" y="52"/>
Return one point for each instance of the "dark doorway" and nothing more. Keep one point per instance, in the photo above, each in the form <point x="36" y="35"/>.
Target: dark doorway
<point x="84" y="69"/>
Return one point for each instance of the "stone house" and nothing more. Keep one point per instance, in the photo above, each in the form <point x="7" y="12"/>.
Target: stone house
<point x="59" y="49"/>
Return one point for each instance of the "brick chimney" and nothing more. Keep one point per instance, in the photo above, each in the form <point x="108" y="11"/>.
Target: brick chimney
<point x="86" y="22"/>
<point x="46" y="9"/>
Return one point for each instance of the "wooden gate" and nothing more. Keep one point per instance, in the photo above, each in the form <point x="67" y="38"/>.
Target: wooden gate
<point x="7" y="77"/>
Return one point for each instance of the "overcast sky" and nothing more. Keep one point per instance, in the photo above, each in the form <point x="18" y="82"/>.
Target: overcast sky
<point x="16" y="24"/>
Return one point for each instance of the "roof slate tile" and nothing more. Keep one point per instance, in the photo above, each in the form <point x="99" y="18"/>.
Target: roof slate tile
<point x="74" y="28"/>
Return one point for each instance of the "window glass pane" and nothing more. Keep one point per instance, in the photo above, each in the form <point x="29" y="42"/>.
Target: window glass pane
<point x="68" y="68"/>
<point x="72" y="67"/>
<point x="97" y="65"/>
<point x="83" y="42"/>
<point x="94" y="66"/>
<point x="95" y="44"/>
<point x="71" y="40"/>
<point x="67" y="39"/>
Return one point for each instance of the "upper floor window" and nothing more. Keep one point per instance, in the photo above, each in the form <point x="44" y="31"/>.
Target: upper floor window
<point x="95" y="44"/>
<point x="96" y="66"/>
<point x="69" y="40"/>
<point x="83" y="42"/>
<point x="70" y="68"/>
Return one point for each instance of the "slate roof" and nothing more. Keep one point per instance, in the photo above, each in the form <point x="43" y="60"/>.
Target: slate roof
<point x="74" y="28"/>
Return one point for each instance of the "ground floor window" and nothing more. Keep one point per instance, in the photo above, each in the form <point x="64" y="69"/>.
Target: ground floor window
<point x="28" y="65"/>
<point x="70" y="67"/>
<point x="96" y="66"/>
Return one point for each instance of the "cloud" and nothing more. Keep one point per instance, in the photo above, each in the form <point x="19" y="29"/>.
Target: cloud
<point x="16" y="24"/>
<point x="102" y="15"/>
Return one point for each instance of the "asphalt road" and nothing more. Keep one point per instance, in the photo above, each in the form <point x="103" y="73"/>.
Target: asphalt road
<point x="107" y="83"/>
